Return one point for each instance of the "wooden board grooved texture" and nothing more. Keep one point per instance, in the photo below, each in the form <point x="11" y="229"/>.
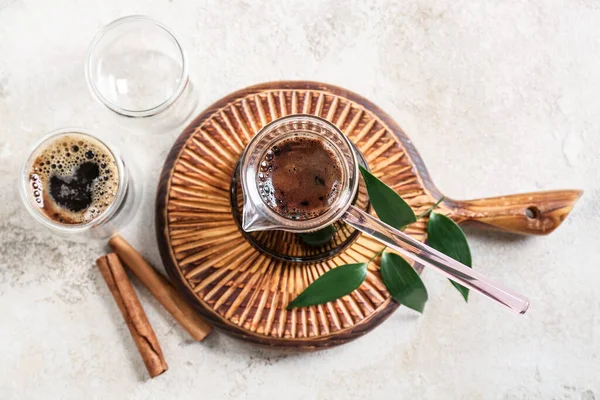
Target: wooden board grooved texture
<point x="237" y="287"/>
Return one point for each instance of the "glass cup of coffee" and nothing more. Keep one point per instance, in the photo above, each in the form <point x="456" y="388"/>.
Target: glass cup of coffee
<point x="300" y="173"/>
<point x="78" y="186"/>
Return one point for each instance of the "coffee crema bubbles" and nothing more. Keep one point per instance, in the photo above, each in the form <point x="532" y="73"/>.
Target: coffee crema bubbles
<point x="74" y="179"/>
<point x="299" y="177"/>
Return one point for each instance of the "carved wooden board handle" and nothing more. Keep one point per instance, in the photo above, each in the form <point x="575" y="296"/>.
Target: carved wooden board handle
<point x="536" y="213"/>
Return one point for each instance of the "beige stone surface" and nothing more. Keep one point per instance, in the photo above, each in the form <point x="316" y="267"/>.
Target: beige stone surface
<point x="499" y="97"/>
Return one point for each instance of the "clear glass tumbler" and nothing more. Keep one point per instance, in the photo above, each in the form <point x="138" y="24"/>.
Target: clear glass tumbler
<point x="103" y="223"/>
<point x="137" y="68"/>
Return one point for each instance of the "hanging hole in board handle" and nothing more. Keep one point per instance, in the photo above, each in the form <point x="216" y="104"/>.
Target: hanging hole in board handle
<point x="532" y="212"/>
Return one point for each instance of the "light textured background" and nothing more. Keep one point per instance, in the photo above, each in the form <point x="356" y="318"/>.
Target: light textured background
<point x="499" y="97"/>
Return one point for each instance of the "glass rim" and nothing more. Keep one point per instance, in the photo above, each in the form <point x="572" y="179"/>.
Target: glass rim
<point x="73" y="228"/>
<point x="149" y="112"/>
<point x="277" y="221"/>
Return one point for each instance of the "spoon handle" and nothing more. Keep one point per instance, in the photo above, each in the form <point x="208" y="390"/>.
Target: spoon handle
<point x="427" y="256"/>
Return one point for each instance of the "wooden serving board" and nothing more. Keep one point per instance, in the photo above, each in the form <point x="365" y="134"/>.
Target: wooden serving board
<point x="245" y="292"/>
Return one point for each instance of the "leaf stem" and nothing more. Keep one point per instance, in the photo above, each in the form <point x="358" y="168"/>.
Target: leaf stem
<point x="430" y="209"/>
<point x="376" y="255"/>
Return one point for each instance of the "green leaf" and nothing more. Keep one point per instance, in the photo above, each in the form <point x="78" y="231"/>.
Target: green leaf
<point x="388" y="205"/>
<point x="403" y="282"/>
<point x="320" y="237"/>
<point x="445" y="235"/>
<point x="332" y="285"/>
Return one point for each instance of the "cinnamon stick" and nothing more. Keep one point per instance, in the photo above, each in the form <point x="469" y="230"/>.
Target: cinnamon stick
<point x="164" y="292"/>
<point x="133" y="313"/>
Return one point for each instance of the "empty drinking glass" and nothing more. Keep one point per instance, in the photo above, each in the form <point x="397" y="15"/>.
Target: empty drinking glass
<point x="137" y="68"/>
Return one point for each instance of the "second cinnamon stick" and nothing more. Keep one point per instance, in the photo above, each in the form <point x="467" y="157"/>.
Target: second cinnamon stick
<point x="162" y="290"/>
<point x="133" y="313"/>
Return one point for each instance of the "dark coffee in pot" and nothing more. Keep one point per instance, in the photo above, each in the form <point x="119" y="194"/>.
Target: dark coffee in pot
<point x="300" y="177"/>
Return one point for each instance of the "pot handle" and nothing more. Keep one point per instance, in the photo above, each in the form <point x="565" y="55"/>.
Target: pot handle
<point x="430" y="257"/>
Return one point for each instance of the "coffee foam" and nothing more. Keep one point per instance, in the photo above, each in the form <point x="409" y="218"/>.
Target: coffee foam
<point x="298" y="201"/>
<point x="62" y="158"/>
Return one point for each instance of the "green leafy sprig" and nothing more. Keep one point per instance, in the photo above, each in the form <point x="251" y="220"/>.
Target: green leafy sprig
<point x="401" y="280"/>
